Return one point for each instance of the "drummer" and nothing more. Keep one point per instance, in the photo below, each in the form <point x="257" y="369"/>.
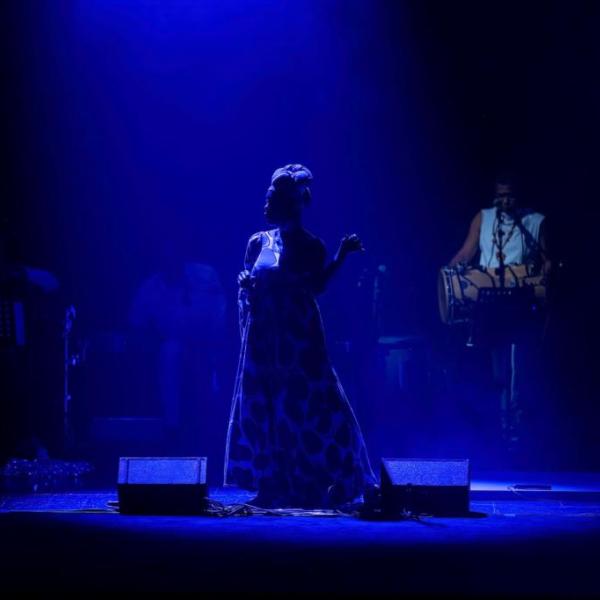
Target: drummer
<point x="507" y="234"/>
<point x="507" y="231"/>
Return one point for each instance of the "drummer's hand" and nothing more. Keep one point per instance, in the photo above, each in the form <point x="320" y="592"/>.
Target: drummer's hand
<point x="460" y="266"/>
<point x="244" y="279"/>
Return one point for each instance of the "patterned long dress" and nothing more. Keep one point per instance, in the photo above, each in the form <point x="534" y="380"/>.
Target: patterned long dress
<point x="292" y="433"/>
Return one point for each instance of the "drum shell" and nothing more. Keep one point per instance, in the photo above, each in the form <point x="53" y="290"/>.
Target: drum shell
<point x="458" y="289"/>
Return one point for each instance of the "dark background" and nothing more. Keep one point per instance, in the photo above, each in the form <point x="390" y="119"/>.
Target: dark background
<point x="125" y="124"/>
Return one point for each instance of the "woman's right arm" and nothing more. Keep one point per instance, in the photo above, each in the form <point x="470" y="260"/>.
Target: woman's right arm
<point x="348" y="245"/>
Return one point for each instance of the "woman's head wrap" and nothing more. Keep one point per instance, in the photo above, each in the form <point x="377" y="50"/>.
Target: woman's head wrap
<point x="295" y="174"/>
<point x="299" y="174"/>
<point x="291" y="180"/>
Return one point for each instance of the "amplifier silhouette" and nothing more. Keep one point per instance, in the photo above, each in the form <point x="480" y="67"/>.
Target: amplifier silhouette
<point x="437" y="487"/>
<point x="162" y="486"/>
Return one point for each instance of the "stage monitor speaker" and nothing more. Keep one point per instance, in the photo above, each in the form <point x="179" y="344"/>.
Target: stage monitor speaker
<point x="438" y="487"/>
<point x="162" y="486"/>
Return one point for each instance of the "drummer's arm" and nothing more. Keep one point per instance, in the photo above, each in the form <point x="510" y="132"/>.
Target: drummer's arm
<point x="469" y="248"/>
<point x="543" y="241"/>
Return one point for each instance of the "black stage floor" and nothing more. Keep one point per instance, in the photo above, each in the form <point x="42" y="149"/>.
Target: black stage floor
<point x="530" y="535"/>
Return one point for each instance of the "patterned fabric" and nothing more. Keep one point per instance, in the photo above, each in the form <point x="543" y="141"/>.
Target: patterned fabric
<point x="292" y="433"/>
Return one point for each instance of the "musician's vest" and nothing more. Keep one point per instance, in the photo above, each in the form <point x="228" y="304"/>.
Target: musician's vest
<point x="520" y="242"/>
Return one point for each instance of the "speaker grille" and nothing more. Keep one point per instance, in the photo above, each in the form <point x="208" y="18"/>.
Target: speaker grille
<point x="139" y="470"/>
<point x="427" y="472"/>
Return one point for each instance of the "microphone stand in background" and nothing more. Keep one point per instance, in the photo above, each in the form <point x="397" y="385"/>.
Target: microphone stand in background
<point x="501" y="270"/>
<point x="71" y="359"/>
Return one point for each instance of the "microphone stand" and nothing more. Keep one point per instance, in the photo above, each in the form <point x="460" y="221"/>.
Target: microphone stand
<point x="70" y="360"/>
<point x="533" y="244"/>
<point x="501" y="270"/>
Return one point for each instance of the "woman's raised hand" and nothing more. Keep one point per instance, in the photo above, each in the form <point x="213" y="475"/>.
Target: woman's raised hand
<point x="350" y="243"/>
